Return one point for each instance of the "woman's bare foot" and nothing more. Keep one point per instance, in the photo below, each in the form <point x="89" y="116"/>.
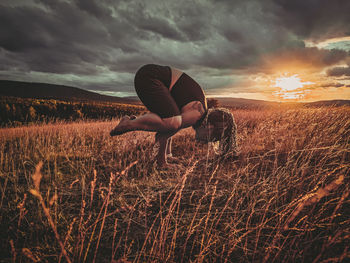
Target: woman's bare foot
<point x="122" y="127"/>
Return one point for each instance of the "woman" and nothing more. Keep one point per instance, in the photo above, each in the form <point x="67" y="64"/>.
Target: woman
<point x="176" y="101"/>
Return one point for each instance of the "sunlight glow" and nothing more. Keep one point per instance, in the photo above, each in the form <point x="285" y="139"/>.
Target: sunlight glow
<point x="290" y="87"/>
<point x="288" y="83"/>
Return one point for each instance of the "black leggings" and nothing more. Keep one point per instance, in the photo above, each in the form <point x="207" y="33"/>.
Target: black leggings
<point x="152" y="86"/>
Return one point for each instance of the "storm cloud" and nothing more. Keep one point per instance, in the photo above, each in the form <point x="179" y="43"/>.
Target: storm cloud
<point x="339" y="71"/>
<point x="99" y="45"/>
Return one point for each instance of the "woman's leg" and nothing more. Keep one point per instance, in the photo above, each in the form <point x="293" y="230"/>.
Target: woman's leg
<point x="148" y="122"/>
<point x="189" y="115"/>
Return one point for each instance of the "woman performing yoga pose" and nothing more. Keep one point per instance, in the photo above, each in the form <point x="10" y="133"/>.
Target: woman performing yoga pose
<point x="176" y="101"/>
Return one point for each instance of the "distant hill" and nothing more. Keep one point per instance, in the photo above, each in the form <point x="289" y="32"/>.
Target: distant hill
<point x="328" y="103"/>
<point x="245" y="103"/>
<point x="261" y="104"/>
<point x="52" y="91"/>
<point x="61" y="92"/>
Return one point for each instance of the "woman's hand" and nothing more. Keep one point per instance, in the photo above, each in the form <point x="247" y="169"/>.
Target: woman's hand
<point x="191" y="113"/>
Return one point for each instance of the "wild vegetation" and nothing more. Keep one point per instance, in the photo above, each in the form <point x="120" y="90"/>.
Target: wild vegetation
<point x="71" y="193"/>
<point x="19" y="111"/>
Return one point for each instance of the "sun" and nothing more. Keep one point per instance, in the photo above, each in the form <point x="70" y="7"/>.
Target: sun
<point x="290" y="87"/>
<point x="289" y="83"/>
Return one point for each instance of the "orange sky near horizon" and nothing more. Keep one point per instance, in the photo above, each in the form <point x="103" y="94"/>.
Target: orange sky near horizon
<point x="291" y="75"/>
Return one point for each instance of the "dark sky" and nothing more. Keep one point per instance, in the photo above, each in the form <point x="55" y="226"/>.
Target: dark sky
<point x="231" y="47"/>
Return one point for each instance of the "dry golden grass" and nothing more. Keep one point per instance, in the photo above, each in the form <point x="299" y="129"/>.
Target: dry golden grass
<point x="71" y="193"/>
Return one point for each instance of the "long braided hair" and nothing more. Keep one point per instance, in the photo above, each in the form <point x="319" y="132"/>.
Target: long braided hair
<point x="225" y="130"/>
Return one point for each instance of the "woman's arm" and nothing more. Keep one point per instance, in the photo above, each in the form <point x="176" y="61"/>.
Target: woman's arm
<point x="190" y="114"/>
<point x="162" y="139"/>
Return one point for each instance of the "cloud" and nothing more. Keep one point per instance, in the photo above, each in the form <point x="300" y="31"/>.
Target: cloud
<point x="92" y="43"/>
<point x="46" y="42"/>
<point x="223" y="38"/>
<point x="138" y="15"/>
<point x="330" y="85"/>
<point x="94" y="8"/>
<point x="308" y="60"/>
<point x="339" y="71"/>
<point x="314" y="19"/>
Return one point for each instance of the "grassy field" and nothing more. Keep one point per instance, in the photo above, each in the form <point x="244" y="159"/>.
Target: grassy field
<point x="71" y="193"/>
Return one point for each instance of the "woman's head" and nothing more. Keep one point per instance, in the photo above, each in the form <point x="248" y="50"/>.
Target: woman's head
<point x="219" y="125"/>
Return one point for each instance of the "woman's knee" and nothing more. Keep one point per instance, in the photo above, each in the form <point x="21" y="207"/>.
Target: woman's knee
<point x="172" y="123"/>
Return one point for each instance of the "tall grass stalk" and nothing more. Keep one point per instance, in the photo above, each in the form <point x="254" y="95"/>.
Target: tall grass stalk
<point x="100" y="199"/>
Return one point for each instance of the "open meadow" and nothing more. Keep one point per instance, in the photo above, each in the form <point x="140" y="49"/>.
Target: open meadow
<point x="71" y="193"/>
